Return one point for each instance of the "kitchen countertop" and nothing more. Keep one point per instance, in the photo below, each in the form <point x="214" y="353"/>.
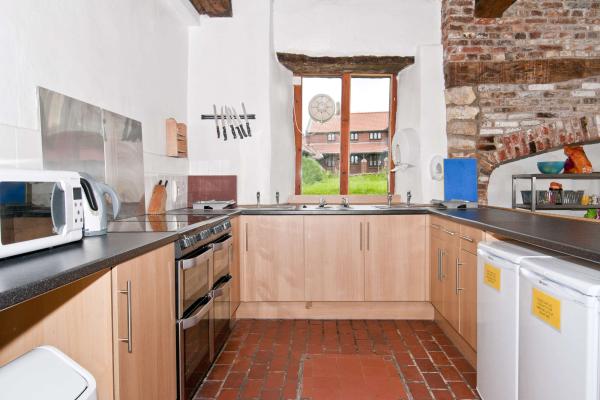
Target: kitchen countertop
<point x="30" y="275"/>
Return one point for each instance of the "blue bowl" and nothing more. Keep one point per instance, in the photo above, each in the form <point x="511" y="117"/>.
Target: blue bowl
<point x="551" y="167"/>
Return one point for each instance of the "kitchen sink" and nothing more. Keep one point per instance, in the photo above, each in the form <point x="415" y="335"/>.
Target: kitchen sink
<point x="270" y="207"/>
<point x="331" y="207"/>
<point x="401" y="206"/>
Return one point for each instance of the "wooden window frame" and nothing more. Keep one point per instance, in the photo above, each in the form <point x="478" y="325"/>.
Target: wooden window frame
<point x="344" y="128"/>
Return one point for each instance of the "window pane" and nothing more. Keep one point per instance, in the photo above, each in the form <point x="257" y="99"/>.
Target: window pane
<point x="321" y="99"/>
<point x="369" y="121"/>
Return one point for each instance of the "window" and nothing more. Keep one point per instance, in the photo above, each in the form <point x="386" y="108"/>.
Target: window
<point x="375" y="136"/>
<point x="344" y="108"/>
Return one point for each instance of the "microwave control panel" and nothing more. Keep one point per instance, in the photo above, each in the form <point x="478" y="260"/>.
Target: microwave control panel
<point x="77" y="208"/>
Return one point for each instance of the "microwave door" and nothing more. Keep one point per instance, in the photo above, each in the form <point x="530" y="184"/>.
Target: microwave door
<point x="30" y="210"/>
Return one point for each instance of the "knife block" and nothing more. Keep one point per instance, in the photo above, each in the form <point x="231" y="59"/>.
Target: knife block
<point x="158" y="201"/>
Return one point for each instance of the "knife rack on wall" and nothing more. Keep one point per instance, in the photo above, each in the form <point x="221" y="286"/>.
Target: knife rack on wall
<point x="229" y="122"/>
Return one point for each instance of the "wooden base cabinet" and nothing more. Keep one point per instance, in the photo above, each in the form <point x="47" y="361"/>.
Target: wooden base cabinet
<point x="143" y="291"/>
<point x="272" y="258"/>
<point x="235" y="266"/>
<point x="395" y="262"/>
<point x="335" y="269"/>
<point x="453" y="276"/>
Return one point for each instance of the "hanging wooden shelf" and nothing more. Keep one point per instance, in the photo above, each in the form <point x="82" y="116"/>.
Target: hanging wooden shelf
<point x="176" y="138"/>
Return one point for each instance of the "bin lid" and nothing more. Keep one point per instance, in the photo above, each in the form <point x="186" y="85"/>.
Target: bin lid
<point x="511" y="251"/>
<point x="567" y="271"/>
<point x="41" y="374"/>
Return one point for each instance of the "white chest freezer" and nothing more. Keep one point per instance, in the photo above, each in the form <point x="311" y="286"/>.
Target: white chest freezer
<point x="46" y="373"/>
<point x="559" y="330"/>
<point x="497" y="317"/>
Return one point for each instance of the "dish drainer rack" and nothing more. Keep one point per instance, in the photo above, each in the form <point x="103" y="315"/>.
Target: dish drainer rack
<point x="545" y="199"/>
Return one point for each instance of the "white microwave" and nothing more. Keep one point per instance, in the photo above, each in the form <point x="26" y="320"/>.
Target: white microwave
<point x="38" y="210"/>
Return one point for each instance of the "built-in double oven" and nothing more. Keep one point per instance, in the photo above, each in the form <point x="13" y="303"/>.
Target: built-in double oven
<point x="203" y="304"/>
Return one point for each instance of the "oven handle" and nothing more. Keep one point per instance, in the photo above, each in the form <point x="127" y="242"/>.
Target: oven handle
<point x="220" y="245"/>
<point x="220" y="290"/>
<point x="189" y="263"/>
<point x="197" y="317"/>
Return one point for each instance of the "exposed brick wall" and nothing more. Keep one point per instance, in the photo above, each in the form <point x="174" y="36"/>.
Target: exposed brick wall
<point x="529" y="29"/>
<point x="506" y="122"/>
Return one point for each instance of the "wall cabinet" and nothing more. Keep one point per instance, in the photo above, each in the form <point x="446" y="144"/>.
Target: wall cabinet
<point x="143" y="292"/>
<point x="272" y="258"/>
<point x="334" y="257"/>
<point x="453" y="275"/>
<point x="395" y="262"/>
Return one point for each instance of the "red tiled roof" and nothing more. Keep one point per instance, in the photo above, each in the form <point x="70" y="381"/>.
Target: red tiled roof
<point x="334" y="148"/>
<point x="359" y="122"/>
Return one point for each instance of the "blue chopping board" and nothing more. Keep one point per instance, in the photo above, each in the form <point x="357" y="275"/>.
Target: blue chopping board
<point x="460" y="179"/>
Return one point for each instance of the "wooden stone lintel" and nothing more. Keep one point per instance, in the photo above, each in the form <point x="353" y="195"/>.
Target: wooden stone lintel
<point x="491" y="8"/>
<point x="213" y="8"/>
<point x="306" y="65"/>
<point x="528" y="72"/>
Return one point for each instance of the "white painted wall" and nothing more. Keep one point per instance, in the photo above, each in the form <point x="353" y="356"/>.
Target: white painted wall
<point x="126" y="56"/>
<point x="232" y="60"/>
<point x="500" y="186"/>
<point x="421" y="123"/>
<point x="356" y="27"/>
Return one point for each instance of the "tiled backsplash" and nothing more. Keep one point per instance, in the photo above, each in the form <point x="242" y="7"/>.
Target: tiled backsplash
<point x="216" y="187"/>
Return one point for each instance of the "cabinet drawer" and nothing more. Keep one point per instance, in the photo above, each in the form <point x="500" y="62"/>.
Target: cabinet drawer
<point x="469" y="237"/>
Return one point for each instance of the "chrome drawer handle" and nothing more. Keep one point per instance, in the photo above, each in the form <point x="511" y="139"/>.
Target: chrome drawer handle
<point x="448" y="232"/>
<point x="129" y="338"/>
<point x="435" y="226"/>
<point x="458" y="264"/>
<point x="467" y="238"/>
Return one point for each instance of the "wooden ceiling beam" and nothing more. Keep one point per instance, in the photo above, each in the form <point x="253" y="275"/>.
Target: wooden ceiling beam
<point x="491" y="8"/>
<point x="213" y="8"/>
<point x="525" y="72"/>
<point x="306" y="65"/>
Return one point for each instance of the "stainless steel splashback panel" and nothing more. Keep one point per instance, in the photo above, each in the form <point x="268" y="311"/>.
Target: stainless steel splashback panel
<point x="77" y="136"/>
<point x="125" y="161"/>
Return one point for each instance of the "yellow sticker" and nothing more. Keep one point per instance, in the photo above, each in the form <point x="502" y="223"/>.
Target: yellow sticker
<point x="546" y="308"/>
<point x="492" y="276"/>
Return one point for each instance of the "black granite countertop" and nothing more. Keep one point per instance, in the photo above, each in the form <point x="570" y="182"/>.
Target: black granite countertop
<point x="30" y="275"/>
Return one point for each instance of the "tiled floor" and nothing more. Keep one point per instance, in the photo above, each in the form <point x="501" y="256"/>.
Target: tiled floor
<point x="300" y="359"/>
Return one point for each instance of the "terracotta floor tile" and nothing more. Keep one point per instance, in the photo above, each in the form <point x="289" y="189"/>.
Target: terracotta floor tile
<point x="228" y="394"/>
<point x="419" y="391"/>
<point x="252" y="388"/>
<point x="442" y="394"/>
<point x="434" y="380"/>
<point x="346" y="359"/>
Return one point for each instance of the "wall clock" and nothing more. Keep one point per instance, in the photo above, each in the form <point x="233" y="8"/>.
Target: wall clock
<point x="321" y="108"/>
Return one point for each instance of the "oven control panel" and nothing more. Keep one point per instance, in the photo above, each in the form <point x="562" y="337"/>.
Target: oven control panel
<point x="193" y="240"/>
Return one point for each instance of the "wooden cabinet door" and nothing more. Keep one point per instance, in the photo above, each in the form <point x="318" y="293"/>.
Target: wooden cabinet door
<point x="235" y="265"/>
<point x="273" y="258"/>
<point x="145" y="364"/>
<point x="436" y="286"/>
<point x="468" y="297"/>
<point x="335" y="265"/>
<point x="395" y="267"/>
<point x="450" y="307"/>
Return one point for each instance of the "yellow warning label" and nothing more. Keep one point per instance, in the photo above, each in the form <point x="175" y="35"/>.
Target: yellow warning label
<point x="546" y="308"/>
<point x="491" y="276"/>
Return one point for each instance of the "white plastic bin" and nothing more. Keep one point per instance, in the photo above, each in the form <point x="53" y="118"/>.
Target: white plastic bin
<point x="46" y="373"/>
<point x="558" y="330"/>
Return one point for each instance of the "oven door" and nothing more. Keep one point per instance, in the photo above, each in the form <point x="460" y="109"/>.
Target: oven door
<point x="221" y="311"/>
<point x="194" y="278"/>
<point x="195" y="348"/>
<point x="223" y="253"/>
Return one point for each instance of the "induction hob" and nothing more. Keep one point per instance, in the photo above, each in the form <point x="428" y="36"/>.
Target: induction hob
<point x="172" y="221"/>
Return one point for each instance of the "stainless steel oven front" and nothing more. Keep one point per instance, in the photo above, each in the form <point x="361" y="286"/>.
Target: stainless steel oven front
<point x="195" y="324"/>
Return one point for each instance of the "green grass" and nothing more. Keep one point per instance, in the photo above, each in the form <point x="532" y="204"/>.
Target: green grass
<point x="359" y="184"/>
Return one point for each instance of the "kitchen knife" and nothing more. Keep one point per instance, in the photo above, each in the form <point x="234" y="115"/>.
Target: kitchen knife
<point x="230" y="121"/>
<point x="236" y="122"/>
<point x="216" y="121"/>
<point x="241" y="130"/>
<point x="222" y="119"/>
<point x="246" y="118"/>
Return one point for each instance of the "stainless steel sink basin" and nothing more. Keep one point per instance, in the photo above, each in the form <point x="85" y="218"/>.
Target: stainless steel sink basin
<point x="332" y="207"/>
<point x="271" y="207"/>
